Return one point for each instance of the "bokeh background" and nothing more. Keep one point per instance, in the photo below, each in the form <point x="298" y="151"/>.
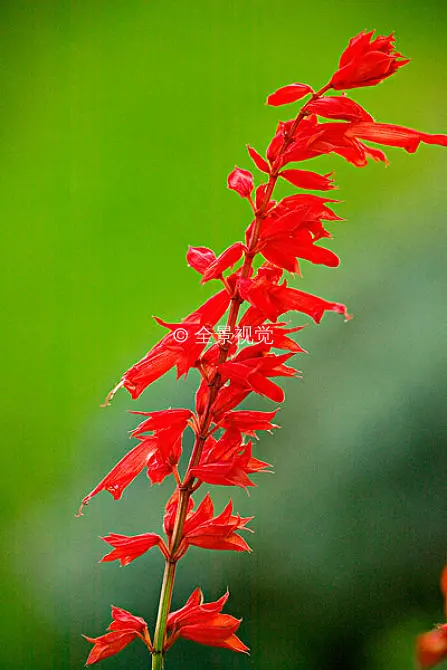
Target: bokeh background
<point x="120" y="122"/>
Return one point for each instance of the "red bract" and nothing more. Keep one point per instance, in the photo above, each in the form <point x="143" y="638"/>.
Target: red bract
<point x="204" y="623"/>
<point x="367" y="61"/>
<point x="242" y="354"/>
<point x="124" y="628"/>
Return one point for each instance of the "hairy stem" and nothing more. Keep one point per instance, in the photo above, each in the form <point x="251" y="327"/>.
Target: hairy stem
<point x="186" y="487"/>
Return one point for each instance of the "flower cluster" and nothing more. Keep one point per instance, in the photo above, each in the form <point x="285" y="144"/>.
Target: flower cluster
<point x="252" y="298"/>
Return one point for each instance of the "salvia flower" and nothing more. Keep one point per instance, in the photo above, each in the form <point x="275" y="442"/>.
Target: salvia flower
<point x="367" y="61"/>
<point x="238" y="344"/>
<point x="204" y="623"/>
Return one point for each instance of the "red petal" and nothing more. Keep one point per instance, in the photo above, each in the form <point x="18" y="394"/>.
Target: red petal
<point x="108" y="645"/>
<point x="124" y="472"/>
<point x="287" y="94"/>
<point x="127" y="549"/>
<point x="338" y="107"/>
<point x="124" y="620"/>
<point x="396" y="136"/>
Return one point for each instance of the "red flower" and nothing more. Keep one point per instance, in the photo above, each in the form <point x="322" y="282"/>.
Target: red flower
<point x="253" y="372"/>
<point x="124" y="628"/>
<point x="248" y="421"/>
<point x="366" y="62"/>
<point x="122" y="474"/>
<point x="204" y="623"/>
<point x="274" y="299"/>
<point x="228" y="461"/>
<point x="127" y="549"/>
<point x="181" y="347"/>
<point x="338" y="107"/>
<point x="202" y="529"/>
<point x="241" y="181"/>
<point x="288" y="94"/>
<point x="308" y="180"/>
<point x="395" y="136"/>
<point x="160" y="452"/>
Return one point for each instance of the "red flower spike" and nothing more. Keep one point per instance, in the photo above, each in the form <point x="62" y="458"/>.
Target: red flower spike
<point x="257" y="159"/>
<point x="241" y="181"/>
<point x="126" y="549"/>
<point x="288" y="94"/>
<point x="200" y="258"/>
<point x="309" y="180"/>
<point x="203" y="623"/>
<point x="284" y="233"/>
<point x="338" y="107"/>
<point x="226" y="260"/>
<point x="367" y="62"/>
<point x="124" y="628"/>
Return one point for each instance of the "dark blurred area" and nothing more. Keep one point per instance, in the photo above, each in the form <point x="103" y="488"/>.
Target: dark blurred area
<point x="120" y="123"/>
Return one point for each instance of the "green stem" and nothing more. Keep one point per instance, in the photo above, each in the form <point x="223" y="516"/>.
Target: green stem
<point x="162" y="618"/>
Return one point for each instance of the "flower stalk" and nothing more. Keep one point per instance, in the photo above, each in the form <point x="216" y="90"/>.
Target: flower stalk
<point x="241" y="357"/>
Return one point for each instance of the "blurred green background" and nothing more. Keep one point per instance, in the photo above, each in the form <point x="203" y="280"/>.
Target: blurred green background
<point x="120" y="123"/>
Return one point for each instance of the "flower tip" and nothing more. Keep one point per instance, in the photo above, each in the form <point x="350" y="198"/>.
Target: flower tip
<point x="80" y="513"/>
<point x="110" y="395"/>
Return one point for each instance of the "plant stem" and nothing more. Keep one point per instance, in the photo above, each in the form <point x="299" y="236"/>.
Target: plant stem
<point x="163" y="611"/>
<point x="186" y="487"/>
